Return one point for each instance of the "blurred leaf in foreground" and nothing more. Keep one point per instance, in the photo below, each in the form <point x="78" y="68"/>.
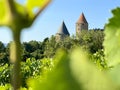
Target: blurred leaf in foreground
<point x="112" y="39"/>
<point x="2" y="12"/>
<point x="33" y="5"/>
<point x="72" y="72"/>
<point x="115" y="75"/>
<point x="13" y="13"/>
<point x="36" y="3"/>
<point x="88" y="76"/>
<point x="58" y="79"/>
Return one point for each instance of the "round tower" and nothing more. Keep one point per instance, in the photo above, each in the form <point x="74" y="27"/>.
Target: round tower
<point x="81" y="24"/>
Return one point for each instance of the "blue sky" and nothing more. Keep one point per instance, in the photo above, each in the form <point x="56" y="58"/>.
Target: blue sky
<point x="96" y="12"/>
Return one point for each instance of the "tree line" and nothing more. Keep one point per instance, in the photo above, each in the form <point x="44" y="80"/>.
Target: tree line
<point x="89" y="40"/>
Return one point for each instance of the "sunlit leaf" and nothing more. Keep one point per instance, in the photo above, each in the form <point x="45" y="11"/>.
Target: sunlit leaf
<point x="2" y="11"/>
<point x="21" y="9"/>
<point x="32" y="4"/>
<point x="87" y="74"/>
<point x="73" y="72"/>
<point x="20" y="12"/>
<point x="115" y="74"/>
<point x="112" y="39"/>
<point x="112" y="46"/>
<point x="58" y="79"/>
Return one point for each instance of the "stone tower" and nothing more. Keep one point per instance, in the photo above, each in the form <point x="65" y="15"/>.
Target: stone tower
<point x="81" y="24"/>
<point x="62" y="32"/>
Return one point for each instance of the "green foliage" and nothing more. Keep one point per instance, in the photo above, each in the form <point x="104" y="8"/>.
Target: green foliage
<point x="32" y="49"/>
<point x="2" y="47"/>
<point x="91" y="40"/>
<point x="98" y="58"/>
<point x="3" y="59"/>
<point x="87" y="75"/>
<point x="50" y="46"/>
<point x="112" y="41"/>
<point x="13" y="13"/>
<point x="77" y="69"/>
<point x="33" y="68"/>
<point x="72" y="72"/>
<point x="31" y="46"/>
<point x="29" y="69"/>
<point x="112" y="46"/>
<point x="2" y="12"/>
<point x="31" y="4"/>
<point x="3" y="54"/>
<point x="5" y="87"/>
<point x="4" y="74"/>
<point x="59" y="78"/>
<point x="71" y="69"/>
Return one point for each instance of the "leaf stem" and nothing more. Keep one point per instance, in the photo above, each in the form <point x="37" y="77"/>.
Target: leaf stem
<point x="15" y="56"/>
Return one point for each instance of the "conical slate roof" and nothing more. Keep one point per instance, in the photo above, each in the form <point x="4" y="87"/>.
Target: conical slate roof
<point x="82" y="19"/>
<point x="63" y="29"/>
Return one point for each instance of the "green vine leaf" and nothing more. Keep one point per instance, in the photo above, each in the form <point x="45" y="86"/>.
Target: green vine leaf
<point x="2" y="12"/>
<point x="87" y="75"/>
<point x="21" y="9"/>
<point x="13" y="14"/>
<point x="33" y="4"/>
<point x="59" y="78"/>
<point x="73" y="72"/>
<point x="112" y="39"/>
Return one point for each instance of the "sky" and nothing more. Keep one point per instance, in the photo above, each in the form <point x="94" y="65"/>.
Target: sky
<point x="96" y="12"/>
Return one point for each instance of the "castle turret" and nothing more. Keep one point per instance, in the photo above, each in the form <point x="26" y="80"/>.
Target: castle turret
<point x="81" y="24"/>
<point x="62" y="32"/>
